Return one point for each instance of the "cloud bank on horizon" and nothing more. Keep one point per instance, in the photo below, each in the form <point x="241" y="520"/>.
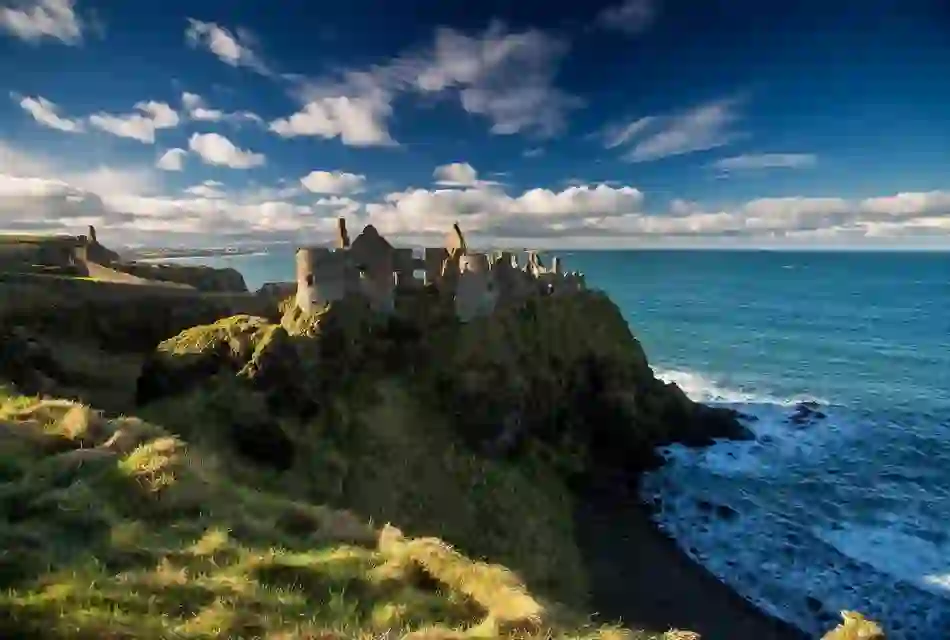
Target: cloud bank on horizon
<point x="588" y="127"/>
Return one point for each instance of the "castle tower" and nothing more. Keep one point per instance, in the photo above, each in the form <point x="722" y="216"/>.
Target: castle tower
<point x="343" y="238"/>
<point x="321" y="277"/>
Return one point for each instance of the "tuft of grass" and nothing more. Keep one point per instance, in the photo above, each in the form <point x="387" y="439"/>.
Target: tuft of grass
<point x="855" y="627"/>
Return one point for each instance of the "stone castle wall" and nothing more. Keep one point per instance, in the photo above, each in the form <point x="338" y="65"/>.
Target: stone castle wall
<point x="371" y="267"/>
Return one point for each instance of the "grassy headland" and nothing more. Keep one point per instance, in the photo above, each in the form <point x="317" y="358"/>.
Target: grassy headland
<point x="187" y="465"/>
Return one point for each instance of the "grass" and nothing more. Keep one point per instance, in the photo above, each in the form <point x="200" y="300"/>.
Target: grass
<point x="115" y="528"/>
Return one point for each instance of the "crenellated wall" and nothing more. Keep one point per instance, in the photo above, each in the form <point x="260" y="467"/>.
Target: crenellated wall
<point x="477" y="282"/>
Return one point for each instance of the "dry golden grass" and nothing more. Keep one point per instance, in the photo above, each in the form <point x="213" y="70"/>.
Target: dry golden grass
<point x="855" y="627"/>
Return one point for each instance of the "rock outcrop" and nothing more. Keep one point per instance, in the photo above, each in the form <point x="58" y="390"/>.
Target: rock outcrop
<point x="249" y="349"/>
<point x="561" y="372"/>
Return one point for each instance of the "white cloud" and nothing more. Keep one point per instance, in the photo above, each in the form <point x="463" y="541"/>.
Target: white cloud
<point x="210" y="189"/>
<point x="460" y="174"/>
<point x="616" y="135"/>
<point x="162" y="115"/>
<point x="138" y="126"/>
<point x="217" y="150"/>
<point x="703" y="127"/>
<point x="235" y="49"/>
<point x="172" y="160"/>
<point x="506" y="77"/>
<point x="630" y="16"/>
<point x="492" y="211"/>
<point x="765" y="161"/>
<point x="197" y="109"/>
<point x="45" y="112"/>
<point x="132" y="205"/>
<point x="456" y="174"/>
<point x="536" y="152"/>
<point x="129" y="206"/>
<point x="357" y="121"/>
<point x="38" y="19"/>
<point x="333" y="182"/>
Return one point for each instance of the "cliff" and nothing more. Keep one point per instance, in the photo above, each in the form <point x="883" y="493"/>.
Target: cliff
<point x="199" y="518"/>
<point x="422" y="420"/>
<point x="200" y="277"/>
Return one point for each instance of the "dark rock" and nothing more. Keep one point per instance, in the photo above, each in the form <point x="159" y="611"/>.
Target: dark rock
<point x="28" y="361"/>
<point x="726" y="512"/>
<point x="806" y="413"/>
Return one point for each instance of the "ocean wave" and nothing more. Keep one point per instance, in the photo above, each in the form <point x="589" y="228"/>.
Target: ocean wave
<point x="703" y="388"/>
<point x="808" y="519"/>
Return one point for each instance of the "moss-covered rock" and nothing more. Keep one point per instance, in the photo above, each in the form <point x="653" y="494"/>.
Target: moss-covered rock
<point x="248" y="348"/>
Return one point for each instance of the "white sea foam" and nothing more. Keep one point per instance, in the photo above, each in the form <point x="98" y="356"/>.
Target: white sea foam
<point x="807" y="520"/>
<point x="703" y="388"/>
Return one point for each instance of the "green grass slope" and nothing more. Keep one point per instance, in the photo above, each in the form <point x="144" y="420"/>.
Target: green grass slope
<point x="114" y="528"/>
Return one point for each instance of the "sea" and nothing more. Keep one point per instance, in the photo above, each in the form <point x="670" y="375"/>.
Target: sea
<point x="846" y="510"/>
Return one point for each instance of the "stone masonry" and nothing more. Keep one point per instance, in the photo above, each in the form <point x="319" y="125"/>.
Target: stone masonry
<point x="371" y="267"/>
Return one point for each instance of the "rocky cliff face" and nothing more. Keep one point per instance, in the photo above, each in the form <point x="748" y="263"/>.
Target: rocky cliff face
<point x="563" y="373"/>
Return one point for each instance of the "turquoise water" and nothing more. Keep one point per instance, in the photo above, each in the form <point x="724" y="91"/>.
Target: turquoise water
<point x="848" y="512"/>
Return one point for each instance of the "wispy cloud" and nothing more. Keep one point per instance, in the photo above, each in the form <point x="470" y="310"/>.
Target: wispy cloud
<point x="459" y="174"/>
<point x="333" y="182"/>
<point x="752" y="162"/>
<point x="359" y="121"/>
<point x="46" y="113"/>
<point x="616" y="135"/>
<point x="233" y="48"/>
<point x="506" y="77"/>
<point x="700" y="128"/>
<point x="172" y="160"/>
<point x="629" y="16"/>
<point x="43" y="19"/>
<point x="141" y="125"/>
<point x="196" y="108"/>
<point x="215" y="149"/>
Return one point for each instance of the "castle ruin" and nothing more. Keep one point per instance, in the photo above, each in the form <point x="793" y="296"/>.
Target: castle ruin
<point x="371" y="267"/>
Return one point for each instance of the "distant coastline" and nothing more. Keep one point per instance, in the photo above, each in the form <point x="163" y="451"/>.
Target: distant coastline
<point x="163" y="255"/>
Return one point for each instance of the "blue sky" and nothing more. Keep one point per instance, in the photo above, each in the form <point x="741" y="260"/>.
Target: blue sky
<point x="620" y="123"/>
